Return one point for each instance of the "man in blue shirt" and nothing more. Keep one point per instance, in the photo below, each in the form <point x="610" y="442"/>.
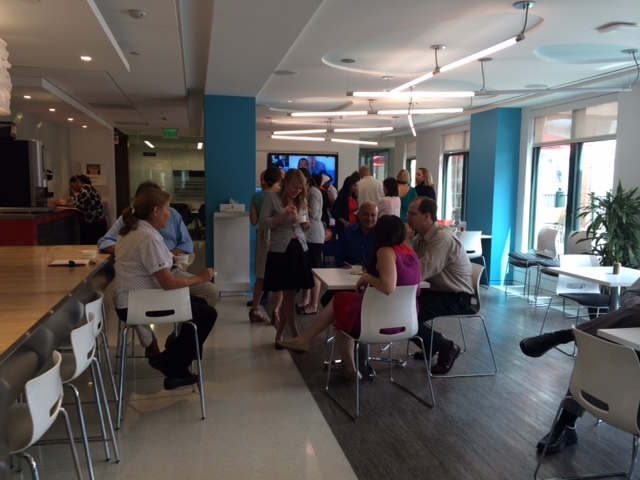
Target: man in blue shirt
<point x="356" y="241"/>
<point x="178" y="241"/>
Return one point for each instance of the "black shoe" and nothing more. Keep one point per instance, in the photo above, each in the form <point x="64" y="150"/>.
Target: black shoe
<point x="539" y="345"/>
<point x="159" y="363"/>
<point x="560" y="438"/>
<point x="171" y="383"/>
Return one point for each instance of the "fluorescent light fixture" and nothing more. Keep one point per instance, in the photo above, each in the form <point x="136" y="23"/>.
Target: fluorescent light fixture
<point x="149" y="144"/>
<point x="199" y="145"/>
<point x="419" y="111"/>
<point x="297" y="137"/>
<point x="300" y="132"/>
<point x="85" y="58"/>
<point x="413" y="94"/>
<point x="329" y="114"/>
<point x="363" y="129"/>
<point x="360" y="142"/>
<point x="413" y="130"/>
<point x="458" y="63"/>
<point x="549" y="91"/>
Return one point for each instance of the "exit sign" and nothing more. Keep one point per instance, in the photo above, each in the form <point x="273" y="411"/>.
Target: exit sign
<point x="170" y="133"/>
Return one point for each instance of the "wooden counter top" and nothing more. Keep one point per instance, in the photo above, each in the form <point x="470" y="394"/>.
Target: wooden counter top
<point x="30" y="289"/>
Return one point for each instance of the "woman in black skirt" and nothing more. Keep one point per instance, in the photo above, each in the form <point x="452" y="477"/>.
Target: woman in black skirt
<point x="288" y="267"/>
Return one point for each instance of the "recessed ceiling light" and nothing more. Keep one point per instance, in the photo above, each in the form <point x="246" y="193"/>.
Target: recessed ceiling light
<point x="84" y="126"/>
<point x="27" y="97"/>
<point x="70" y="119"/>
<point x="137" y="14"/>
<point x="52" y="109"/>
<point x="85" y="58"/>
<point x="199" y="145"/>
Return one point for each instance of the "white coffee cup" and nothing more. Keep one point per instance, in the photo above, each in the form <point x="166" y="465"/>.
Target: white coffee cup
<point x="301" y="219"/>
<point x="89" y="254"/>
<point x="182" y="259"/>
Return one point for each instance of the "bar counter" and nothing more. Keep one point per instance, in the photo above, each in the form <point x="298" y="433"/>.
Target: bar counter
<point x="39" y="306"/>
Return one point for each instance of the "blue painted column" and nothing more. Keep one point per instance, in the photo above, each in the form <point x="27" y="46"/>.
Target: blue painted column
<point x="492" y="189"/>
<point x="229" y="157"/>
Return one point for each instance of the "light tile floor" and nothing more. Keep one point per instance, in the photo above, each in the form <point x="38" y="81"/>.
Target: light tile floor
<point x="262" y="422"/>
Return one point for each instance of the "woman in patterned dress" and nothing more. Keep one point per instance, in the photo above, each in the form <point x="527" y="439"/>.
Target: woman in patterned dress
<point x="93" y="223"/>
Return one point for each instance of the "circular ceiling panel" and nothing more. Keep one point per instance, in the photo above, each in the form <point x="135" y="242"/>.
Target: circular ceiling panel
<point x="582" y="53"/>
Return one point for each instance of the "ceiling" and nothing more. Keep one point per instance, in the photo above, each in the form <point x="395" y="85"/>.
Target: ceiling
<point x="152" y="73"/>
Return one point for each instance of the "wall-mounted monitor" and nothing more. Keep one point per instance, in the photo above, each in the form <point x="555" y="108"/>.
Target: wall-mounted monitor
<point x="324" y="163"/>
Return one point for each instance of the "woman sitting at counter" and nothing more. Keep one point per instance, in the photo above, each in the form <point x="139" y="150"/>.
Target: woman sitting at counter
<point x="93" y="223"/>
<point x="144" y="261"/>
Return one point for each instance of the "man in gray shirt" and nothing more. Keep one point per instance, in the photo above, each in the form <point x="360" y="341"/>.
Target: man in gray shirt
<point x="627" y="316"/>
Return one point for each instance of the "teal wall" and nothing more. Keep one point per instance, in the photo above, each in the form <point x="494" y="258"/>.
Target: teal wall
<point x="229" y="156"/>
<point x="492" y="189"/>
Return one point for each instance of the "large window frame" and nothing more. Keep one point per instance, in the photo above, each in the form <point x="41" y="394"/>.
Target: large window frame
<point x="454" y="195"/>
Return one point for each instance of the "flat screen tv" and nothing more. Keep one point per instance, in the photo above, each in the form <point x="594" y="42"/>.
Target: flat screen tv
<point x="325" y="163"/>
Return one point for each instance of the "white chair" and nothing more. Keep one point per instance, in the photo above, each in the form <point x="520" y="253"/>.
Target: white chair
<point x="157" y="306"/>
<point x="385" y="319"/>
<point x="75" y="363"/>
<point x="95" y="310"/>
<point x="605" y="382"/>
<point x="472" y="242"/>
<point x="475" y="306"/>
<point x="579" y="292"/>
<point x="28" y="421"/>
<point x="546" y="250"/>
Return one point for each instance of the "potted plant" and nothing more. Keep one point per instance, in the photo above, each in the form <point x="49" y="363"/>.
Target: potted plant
<point x="614" y="226"/>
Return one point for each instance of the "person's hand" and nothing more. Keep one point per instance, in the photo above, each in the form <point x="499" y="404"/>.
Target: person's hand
<point x="207" y="275"/>
<point x="291" y="211"/>
<point x="361" y="284"/>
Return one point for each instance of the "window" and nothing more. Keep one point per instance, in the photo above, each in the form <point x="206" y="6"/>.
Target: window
<point x="378" y="162"/>
<point x="573" y="158"/>
<point x="456" y="166"/>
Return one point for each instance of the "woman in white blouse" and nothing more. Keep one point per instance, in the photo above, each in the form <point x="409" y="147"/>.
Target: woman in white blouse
<point x="390" y="203"/>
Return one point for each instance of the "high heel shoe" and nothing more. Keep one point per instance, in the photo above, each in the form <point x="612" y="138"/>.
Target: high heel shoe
<point x="256" y="317"/>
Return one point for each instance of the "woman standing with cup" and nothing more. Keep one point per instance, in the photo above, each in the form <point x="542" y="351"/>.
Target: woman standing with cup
<point x="288" y="267"/>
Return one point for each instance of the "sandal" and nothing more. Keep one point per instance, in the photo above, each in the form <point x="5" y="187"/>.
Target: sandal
<point x="304" y="311"/>
<point x="255" y="316"/>
<point x="301" y="308"/>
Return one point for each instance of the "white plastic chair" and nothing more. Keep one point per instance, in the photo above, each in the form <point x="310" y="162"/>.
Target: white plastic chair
<point x="157" y="306"/>
<point x="475" y="306"/>
<point x="580" y="292"/>
<point x="605" y="382"/>
<point x="95" y="310"/>
<point x="385" y="319"/>
<point x="74" y="364"/>
<point x="472" y="242"/>
<point x="546" y="250"/>
<point x="28" y="421"/>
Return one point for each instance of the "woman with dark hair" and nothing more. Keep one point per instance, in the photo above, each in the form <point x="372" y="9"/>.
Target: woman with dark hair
<point x="288" y="268"/>
<point x="86" y="199"/>
<point x="315" y="241"/>
<point x="424" y="183"/>
<point x="390" y="203"/>
<point x="346" y="204"/>
<point x="144" y="261"/>
<point x="393" y="263"/>
<point x="270" y="183"/>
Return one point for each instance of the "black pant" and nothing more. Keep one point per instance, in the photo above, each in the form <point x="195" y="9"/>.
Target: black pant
<point x="182" y="351"/>
<point x="434" y="304"/>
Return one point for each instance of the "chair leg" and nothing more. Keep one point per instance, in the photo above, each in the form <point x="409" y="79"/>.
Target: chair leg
<point x="83" y="430"/>
<point x="105" y="347"/>
<point x="123" y="357"/>
<point x="199" y="362"/>
<point x="108" y="412"/>
<point x="72" y="443"/>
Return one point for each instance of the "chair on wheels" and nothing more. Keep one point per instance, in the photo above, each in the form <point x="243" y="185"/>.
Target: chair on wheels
<point x="157" y="306"/>
<point x="28" y="421"/>
<point x="475" y="307"/>
<point x="580" y="292"/>
<point x="605" y="382"/>
<point x="384" y="319"/>
<point x="546" y="250"/>
<point x="472" y="243"/>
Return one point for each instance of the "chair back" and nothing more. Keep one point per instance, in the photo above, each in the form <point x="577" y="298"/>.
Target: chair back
<point x="577" y="243"/>
<point x="389" y="318"/>
<point x="43" y="396"/>
<point x="158" y="306"/>
<point x="94" y="312"/>
<point x="606" y="381"/>
<point x="568" y="284"/>
<point x="472" y="242"/>
<point x="83" y="345"/>
<point x="546" y="243"/>
<point x="475" y="278"/>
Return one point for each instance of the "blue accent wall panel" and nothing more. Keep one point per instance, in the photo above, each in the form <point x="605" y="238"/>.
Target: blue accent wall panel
<point x="230" y="156"/>
<point x="493" y="182"/>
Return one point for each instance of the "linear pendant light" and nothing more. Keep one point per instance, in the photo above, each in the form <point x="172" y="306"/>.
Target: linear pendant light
<point x="297" y="137"/>
<point x="412" y="94"/>
<point x="299" y="132"/>
<point x="328" y="114"/>
<point x="420" y="111"/>
<point x="360" y="142"/>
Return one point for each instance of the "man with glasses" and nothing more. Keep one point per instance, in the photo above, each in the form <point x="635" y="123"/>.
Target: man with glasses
<point x="446" y="266"/>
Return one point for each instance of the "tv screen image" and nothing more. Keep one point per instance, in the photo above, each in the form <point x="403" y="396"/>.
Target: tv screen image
<point x="317" y="164"/>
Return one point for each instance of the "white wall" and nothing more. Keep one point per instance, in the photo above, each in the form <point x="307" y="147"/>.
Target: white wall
<point x="627" y="166"/>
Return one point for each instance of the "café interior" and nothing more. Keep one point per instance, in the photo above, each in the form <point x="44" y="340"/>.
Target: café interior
<point x="502" y="102"/>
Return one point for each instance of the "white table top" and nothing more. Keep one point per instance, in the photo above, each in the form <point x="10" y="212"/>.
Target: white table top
<point x="624" y="336"/>
<point x="342" y="279"/>
<point x="601" y="275"/>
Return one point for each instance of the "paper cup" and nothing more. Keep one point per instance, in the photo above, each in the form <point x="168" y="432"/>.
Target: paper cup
<point x="181" y="259"/>
<point x="89" y="254"/>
